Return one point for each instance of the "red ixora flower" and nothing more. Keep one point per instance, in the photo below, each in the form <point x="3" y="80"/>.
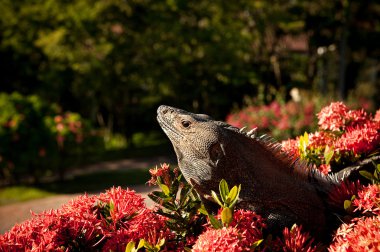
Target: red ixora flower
<point x="163" y="172"/>
<point x="377" y="116"/>
<point x="88" y="223"/>
<point x="225" y="239"/>
<point x="359" y="140"/>
<point x="320" y="139"/>
<point x="332" y="117"/>
<point x="368" y="200"/>
<point x="249" y="223"/>
<point x="360" y="235"/>
<point x="291" y="146"/>
<point x="324" y="168"/>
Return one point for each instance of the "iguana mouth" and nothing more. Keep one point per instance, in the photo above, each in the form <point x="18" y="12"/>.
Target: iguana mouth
<point x="166" y="126"/>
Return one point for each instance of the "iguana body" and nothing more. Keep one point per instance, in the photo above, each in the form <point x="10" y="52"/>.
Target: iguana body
<point x="274" y="185"/>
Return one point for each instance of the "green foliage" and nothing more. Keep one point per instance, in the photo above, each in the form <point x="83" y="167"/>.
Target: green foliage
<point x="227" y="202"/>
<point x="145" y="244"/>
<point x="373" y="177"/>
<point x="37" y="140"/>
<point x="151" y="52"/>
<point x="179" y="203"/>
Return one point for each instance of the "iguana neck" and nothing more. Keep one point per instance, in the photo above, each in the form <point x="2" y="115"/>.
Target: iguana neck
<point x="254" y="162"/>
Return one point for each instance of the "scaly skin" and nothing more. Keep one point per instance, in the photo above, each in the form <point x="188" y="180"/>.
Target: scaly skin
<point x="272" y="184"/>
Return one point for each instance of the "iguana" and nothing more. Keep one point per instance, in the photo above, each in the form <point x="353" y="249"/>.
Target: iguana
<point x="280" y="188"/>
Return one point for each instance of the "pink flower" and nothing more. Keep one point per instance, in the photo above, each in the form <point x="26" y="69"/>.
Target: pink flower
<point x="163" y="172"/>
<point x="249" y="223"/>
<point x="324" y="168"/>
<point x="360" y="235"/>
<point x="377" y="116"/>
<point x="333" y="116"/>
<point x="359" y="140"/>
<point x="291" y="146"/>
<point x="125" y="205"/>
<point x="368" y="200"/>
<point x="320" y="139"/>
<point x="225" y="239"/>
<point x="356" y="118"/>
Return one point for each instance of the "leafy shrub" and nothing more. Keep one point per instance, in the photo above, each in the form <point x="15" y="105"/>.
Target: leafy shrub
<point x="36" y="137"/>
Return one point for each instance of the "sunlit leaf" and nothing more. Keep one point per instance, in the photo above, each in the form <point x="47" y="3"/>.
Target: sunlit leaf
<point x="130" y="247"/>
<point x="366" y="174"/>
<point x="347" y="204"/>
<point x="226" y="216"/>
<point x="223" y="190"/>
<point x="214" y="222"/>
<point x="216" y="198"/>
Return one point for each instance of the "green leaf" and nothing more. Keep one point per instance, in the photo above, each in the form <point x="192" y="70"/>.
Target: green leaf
<point x="141" y="244"/>
<point x="256" y="244"/>
<point x="232" y="195"/>
<point x="223" y="189"/>
<point x="347" y="204"/>
<point x="130" y="247"/>
<point x="214" y="222"/>
<point x="226" y="216"/>
<point x="366" y="174"/>
<point x="165" y="189"/>
<point x="216" y="198"/>
<point x="328" y="154"/>
<point x="161" y="242"/>
<point x="234" y="201"/>
<point x="304" y="142"/>
<point x="203" y="210"/>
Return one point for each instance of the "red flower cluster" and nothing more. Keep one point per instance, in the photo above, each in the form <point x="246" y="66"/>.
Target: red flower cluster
<point x="349" y="134"/>
<point x="359" y="140"/>
<point x="360" y="235"/>
<point x="163" y="173"/>
<point x="97" y="223"/>
<point x="245" y="229"/>
<point x="226" y="239"/>
<point x="333" y="117"/>
<point x="368" y="200"/>
<point x="280" y="120"/>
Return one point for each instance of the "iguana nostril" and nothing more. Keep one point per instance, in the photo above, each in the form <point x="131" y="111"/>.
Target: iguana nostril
<point x="162" y="110"/>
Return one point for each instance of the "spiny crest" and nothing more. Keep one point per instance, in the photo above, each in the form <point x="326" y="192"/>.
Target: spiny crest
<point x="269" y="144"/>
<point x="292" y="163"/>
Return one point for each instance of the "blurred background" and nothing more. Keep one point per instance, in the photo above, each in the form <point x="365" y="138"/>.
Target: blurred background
<point x="81" y="80"/>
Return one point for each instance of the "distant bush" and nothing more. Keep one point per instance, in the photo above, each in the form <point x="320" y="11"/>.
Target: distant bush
<point x="281" y="120"/>
<point x="37" y="139"/>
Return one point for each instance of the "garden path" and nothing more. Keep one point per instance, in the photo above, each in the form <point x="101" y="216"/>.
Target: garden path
<point x="18" y="212"/>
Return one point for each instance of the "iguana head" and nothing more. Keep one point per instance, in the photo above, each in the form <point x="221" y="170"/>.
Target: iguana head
<point x="196" y="141"/>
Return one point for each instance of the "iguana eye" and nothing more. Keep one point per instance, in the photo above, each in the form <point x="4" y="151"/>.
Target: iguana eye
<point x="186" y="124"/>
